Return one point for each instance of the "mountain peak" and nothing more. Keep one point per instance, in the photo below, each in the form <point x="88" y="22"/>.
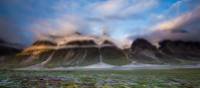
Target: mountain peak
<point x="142" y="44"/>
<point x="81" y="42"/>
<point x="45" y="42"/>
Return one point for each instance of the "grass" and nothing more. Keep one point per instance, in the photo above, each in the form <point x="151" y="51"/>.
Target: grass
<point x="166" y="78"/>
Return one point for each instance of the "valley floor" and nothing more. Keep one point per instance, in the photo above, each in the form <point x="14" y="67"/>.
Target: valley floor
<point x="140" y="78"/>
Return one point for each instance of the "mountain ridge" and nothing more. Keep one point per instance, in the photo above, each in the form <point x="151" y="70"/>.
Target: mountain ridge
<point x="49" y="54"/>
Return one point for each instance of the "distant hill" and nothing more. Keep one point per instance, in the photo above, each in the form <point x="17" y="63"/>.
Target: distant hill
<point x="185" y="50"/>
<point x="8" y="48"/>
<point x="181" y="52"/>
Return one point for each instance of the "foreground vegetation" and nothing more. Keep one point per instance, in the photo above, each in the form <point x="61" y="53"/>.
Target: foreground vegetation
<point x="171" y="78"/>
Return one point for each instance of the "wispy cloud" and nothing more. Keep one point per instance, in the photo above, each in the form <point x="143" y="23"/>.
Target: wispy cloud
<point x="180" y="21"/>
<point x="184" y="27"/>
<point x="122" y="8"/>
<point x="60" y="26"/>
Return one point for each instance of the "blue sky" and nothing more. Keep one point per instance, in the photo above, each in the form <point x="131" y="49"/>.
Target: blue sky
<point x="22" y="21"/>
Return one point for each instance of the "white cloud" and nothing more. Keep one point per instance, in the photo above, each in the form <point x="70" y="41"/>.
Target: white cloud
<point x="61" y="26"/>
<point x="179" y="21"/>
<point x="172" y="29"/>
<point x="172" y="11"/>
<point x="109" y="7"/>
<point x="123" y="8"/>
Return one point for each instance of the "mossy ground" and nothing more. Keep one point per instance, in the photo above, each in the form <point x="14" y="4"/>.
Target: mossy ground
<point x="146" y="78"/>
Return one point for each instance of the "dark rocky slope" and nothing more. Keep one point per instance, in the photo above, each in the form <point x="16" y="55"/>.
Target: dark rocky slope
<point x="143" y="51"/>
<point x="169" y="52"/>
<point x="184" y="50"/>
<point x="7" y="48"/>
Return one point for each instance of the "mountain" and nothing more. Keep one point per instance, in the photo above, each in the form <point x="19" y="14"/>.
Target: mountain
<point x="80" y="43"/>
<point x="113" y="55"/>
<point x="82" y="52"/>
<point x="45" y="42"/>
<point x="8" y="48"/>
<point x="8" y="52"/>
<point x="168" y="52"/>
<point x="185" y="50"/>
<point x="143" y="51"/>
<point x="73" y="53"/>
<point x="90" y="51"/>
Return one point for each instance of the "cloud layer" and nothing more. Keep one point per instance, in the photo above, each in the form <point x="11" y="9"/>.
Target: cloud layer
<point x="25" y="21"/>
<point x="184" y="27"/>
<point x="122" y="8"/>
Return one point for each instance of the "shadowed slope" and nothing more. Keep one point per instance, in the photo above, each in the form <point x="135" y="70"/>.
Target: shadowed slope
<point x="143" y="51"/>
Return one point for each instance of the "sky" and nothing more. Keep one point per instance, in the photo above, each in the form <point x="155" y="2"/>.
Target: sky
<point x="24" y="21"/>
